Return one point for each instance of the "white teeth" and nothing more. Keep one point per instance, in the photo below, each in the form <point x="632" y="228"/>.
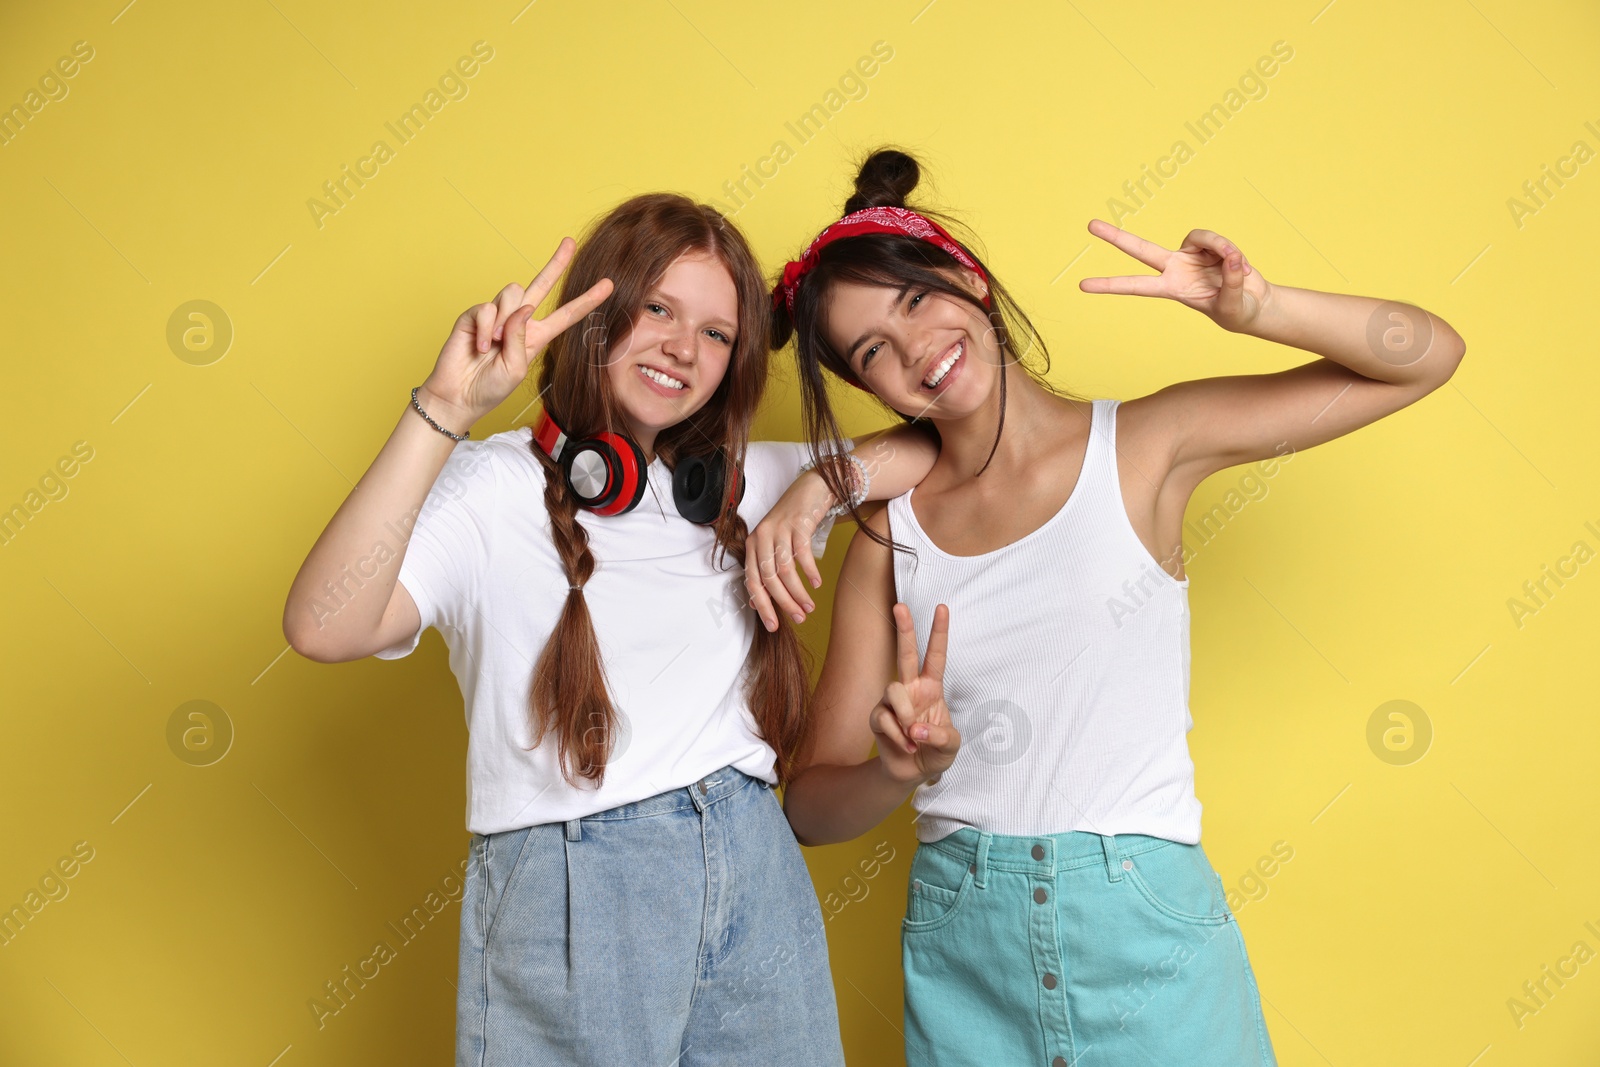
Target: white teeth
<point x="942" y="369"/>
<point x="656" y="376"/>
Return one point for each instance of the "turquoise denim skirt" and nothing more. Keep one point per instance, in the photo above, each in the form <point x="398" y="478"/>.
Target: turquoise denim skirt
<point x="1074" y="950"/>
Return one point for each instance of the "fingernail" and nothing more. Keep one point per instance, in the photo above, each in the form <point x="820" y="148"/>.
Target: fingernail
<point x="811" y="607"/>
<point x="799" y="617"/>
<point x="919" y="732"/>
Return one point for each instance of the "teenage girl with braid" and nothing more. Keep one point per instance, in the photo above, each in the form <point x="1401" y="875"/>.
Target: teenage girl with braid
<point x="634" y="893"/>
<point x="1061" y="909"/>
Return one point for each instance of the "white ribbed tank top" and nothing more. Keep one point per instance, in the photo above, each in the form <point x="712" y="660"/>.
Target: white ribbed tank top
<point x="1067" y="671"/>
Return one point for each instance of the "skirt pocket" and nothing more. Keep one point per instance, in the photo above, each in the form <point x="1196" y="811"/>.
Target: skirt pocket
<point x="1179" y="882"/>
<point x="503" y="857"/>
<point x="940" y="884"/>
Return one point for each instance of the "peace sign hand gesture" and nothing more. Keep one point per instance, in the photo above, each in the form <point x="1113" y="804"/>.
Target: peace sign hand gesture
<point x="1208" y="273"/>
<point x="491" y="344"/>
<point x="916" y="740"/>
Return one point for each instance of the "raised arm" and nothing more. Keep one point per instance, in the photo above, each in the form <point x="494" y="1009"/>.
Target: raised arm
<point x="1377" y="356"/>
<point x="841" y="790"/>
<point x="390" y="492"/>
<point x="895" y="460"/>
<point x="473" y="375"/>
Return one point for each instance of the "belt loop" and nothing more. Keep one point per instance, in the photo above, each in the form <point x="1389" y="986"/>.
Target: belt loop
<point x="984" y="837"/>
<point x="1108" y="844"/>
<point x="574" y="829"/>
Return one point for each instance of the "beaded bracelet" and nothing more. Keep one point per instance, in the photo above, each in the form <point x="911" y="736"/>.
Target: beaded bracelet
<point x="857" y="496"/>
<point x="435" y="425"/>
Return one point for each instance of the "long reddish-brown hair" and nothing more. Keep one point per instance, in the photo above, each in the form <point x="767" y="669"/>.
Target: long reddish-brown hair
<point x="633" y="245"/>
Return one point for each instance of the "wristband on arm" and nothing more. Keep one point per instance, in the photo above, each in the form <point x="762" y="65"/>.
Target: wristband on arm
<point x="860" y="480"/>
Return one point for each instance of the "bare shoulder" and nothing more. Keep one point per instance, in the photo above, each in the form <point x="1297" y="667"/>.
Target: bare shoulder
<point x="865" y="558"/>
<point x="1148" y="431"/>
<point x="1155" y="491"/>
<point x="878" y="519"/>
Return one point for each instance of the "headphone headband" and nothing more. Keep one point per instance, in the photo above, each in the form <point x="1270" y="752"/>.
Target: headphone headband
<point x="551" y="438"/>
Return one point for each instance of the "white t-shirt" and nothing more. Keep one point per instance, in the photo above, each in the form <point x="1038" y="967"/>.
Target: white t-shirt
<point x="674" y="632"/>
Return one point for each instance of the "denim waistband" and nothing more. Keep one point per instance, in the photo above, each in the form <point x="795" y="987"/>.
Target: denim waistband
<point x="720" y="783"/>
<point x="985" y="852"/>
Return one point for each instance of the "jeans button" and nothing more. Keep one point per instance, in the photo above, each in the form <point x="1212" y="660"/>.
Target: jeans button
<point x="702" y="786"/>
<point x="1049" y="981"/>
<point x="1127" y="865"/>
<point x="1038" y="852"/>
<point x="1040" y="896"/>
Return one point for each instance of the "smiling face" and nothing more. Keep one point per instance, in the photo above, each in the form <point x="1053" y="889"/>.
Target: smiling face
<point x="678" y="348"/>
<point x="925" y="353"/>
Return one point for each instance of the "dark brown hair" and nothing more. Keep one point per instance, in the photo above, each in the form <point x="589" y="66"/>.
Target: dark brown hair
<point x="633" y="245"/>
<point x="886" y="179"/>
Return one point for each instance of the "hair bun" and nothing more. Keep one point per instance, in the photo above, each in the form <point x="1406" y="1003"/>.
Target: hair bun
<point x="885" y="180"/>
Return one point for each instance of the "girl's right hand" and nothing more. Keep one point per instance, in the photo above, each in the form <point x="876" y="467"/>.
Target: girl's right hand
<point x="492" y="344"/>
<point x="916" y="740"/>
<point x="781" y="546"/>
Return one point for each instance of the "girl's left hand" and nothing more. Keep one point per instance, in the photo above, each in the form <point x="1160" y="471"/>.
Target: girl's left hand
<point x="780" y="545"/>
<point x="1208" y="273"/>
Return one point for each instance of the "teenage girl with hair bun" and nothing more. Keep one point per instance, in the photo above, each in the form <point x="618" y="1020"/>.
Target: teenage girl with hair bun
<point x="1061" y="908"/>
<point x="634" y="893"/>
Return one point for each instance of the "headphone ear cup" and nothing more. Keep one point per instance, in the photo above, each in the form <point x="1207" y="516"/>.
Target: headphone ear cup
<point x="702" y="484"/>
<point x="606" y="473"/>
<point x="633" y="473"/>
<point x="697" y="488"/>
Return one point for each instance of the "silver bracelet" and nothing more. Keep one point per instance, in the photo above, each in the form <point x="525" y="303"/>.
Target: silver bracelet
<point x="435" y="425"/>
<point x="857" y="495"/>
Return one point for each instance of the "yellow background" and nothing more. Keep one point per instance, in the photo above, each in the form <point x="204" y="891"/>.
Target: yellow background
<point x="1379" y="160"/>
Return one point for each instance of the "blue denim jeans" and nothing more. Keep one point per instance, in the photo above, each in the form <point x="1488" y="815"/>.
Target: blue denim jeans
<point x="1075" y="950"/>
<point x="682" y="929"/>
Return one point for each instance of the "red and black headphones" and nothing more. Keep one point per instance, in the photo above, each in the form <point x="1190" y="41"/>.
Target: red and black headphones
<point x="607" y="474"/>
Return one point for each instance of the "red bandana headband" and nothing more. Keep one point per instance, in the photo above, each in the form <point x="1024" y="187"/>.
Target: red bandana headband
<point x="870" y="220"/>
